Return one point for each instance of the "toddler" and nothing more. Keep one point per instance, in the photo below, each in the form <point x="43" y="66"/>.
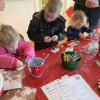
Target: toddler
<point x="77" y="28"/>
<point x="10" y="46"/>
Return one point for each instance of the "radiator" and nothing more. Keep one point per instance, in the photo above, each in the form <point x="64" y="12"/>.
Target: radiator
<point x="18" y="14"/>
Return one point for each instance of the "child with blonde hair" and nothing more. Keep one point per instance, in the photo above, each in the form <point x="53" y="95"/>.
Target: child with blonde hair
<point x="76" y="30"/>
<point x="10" y="46"/>
<point x="47" y="26"/>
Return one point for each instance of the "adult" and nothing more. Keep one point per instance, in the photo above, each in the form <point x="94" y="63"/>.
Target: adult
<point x="91" y="9"/>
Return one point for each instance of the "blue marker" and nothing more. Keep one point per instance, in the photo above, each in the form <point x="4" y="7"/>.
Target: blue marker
<point x="34" y="65"/>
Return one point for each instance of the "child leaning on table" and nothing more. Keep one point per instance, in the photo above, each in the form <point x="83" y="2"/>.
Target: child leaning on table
<point x="77" y="27"/>
<point x="47" y="26"/>
<point x="10" y="46"/>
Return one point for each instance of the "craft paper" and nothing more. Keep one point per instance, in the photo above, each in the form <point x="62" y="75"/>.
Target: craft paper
<point x="25" y="93"/>
<point x="12" y="79"/>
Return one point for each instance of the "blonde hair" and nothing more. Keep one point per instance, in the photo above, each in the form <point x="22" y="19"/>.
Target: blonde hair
<point x="8" y="34"/>
<point x="77" y="16"/>
<point x="54" y="6"/>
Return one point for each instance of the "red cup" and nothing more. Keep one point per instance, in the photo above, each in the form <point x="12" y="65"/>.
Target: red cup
<point x="1" y="86"/>
<point x="36" y="67"/>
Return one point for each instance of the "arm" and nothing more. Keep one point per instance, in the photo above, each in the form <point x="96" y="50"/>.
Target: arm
<point x="72" y="33"/>
<point x="7" y="62"/>
<point x="80" y="2"/>
<point x="61" y="33"/>
<point x="34" y="32"/>
<point x="88" y="30"/>
<point x="26" y="48"/>
<point x="88" y="3"/>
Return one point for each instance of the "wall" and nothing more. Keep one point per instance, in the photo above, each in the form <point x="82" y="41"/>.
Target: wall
<point x="18" y="14"/>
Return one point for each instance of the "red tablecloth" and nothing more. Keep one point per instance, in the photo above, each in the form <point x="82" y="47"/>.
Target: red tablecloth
<point x="87" y="68"/>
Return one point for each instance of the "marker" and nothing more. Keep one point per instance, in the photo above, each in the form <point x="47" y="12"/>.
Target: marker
<point x="43" y="60"/>
<point x="45" y="57"/>
<point x="35" y="60"/>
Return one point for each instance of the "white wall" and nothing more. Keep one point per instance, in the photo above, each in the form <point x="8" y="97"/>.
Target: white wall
<point x="18" y="14"/>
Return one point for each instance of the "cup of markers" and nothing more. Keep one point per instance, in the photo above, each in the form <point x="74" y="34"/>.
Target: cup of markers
<point x="70" y="60"/>
<point x="36" y="66"/>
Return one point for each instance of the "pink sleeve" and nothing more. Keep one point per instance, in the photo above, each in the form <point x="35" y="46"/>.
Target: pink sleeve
<point x="7" y="62"/>
<point x="28" y="49"/>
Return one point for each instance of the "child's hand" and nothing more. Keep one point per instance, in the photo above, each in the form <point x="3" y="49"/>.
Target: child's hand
<point x="82" y="36"/>
<point x="55" y="38"/>
<point x="90" y="35"/>
<point x="47" y="39"/>
<point x="25" y="60"/>
<point x="19" y="64"/>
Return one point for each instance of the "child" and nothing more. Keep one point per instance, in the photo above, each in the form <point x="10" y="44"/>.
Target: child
<point x="47" y="26"/>
<point x="77" y="28"/>
<point x="11" y="45"/>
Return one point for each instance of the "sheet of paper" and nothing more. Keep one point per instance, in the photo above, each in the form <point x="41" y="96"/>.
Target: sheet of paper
<point x="25" y="93"/>
<point x="50" y="90"/>
<point x="12" y="84"/>
<point x="12" y="79"/>
<point x="71" y="88"/>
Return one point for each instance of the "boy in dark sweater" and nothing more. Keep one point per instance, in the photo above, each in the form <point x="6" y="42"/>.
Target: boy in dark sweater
<point x="47" y="26"/>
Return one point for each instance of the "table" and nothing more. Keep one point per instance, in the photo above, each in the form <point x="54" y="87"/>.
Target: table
<point x="87" y="68"/>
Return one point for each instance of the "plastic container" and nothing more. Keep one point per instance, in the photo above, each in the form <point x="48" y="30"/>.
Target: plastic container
<point x="1" y="86"/>
<point x="34" y="69"/>
<point x="70" y="65"/>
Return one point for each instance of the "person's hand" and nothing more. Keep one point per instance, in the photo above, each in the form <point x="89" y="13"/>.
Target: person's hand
<point x="54" y="38"/>
<point x="82" y="36"/>
<point x="2" y="5"/>
<point x="47" y="39"/>
<point x="19" y="64"/>
<point x="90" y="35"/>
<point x="25" y="60"/>
<point x="92" y="3"/>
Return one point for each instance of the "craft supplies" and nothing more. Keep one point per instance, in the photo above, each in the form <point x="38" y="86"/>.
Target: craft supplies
<point x="55" y="50"/>
<point x="72" y="44"/>
<point x="45" y="57"/>
<point x="70" y="60"/>
<point x="34" y="69"/>
<point x="69" y="49"/>
<point x="91" y="48"/>
<point x="25" y="93"/>
<point x="59" y="45"/>
<point x="36" y="61"/>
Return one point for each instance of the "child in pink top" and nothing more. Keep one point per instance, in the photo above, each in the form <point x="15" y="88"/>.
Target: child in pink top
<point x="10" y="46"/>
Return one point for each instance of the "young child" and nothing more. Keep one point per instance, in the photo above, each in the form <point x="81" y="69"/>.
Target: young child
<point x="77" y="28"/>
<point x="47" y="26"/>
<point x="10" y="46"/>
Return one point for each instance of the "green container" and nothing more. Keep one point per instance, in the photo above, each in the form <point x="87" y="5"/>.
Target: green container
<point x="70" y="65"/>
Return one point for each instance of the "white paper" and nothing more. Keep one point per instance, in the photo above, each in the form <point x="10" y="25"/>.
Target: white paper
<point x="12" y="84"/>
<point x="71" y="88"/>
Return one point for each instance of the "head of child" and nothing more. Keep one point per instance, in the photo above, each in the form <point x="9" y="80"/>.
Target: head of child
<point x="52" y="10"/>
<point x="9" y="38"/>
<point x="78" y="19"/>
